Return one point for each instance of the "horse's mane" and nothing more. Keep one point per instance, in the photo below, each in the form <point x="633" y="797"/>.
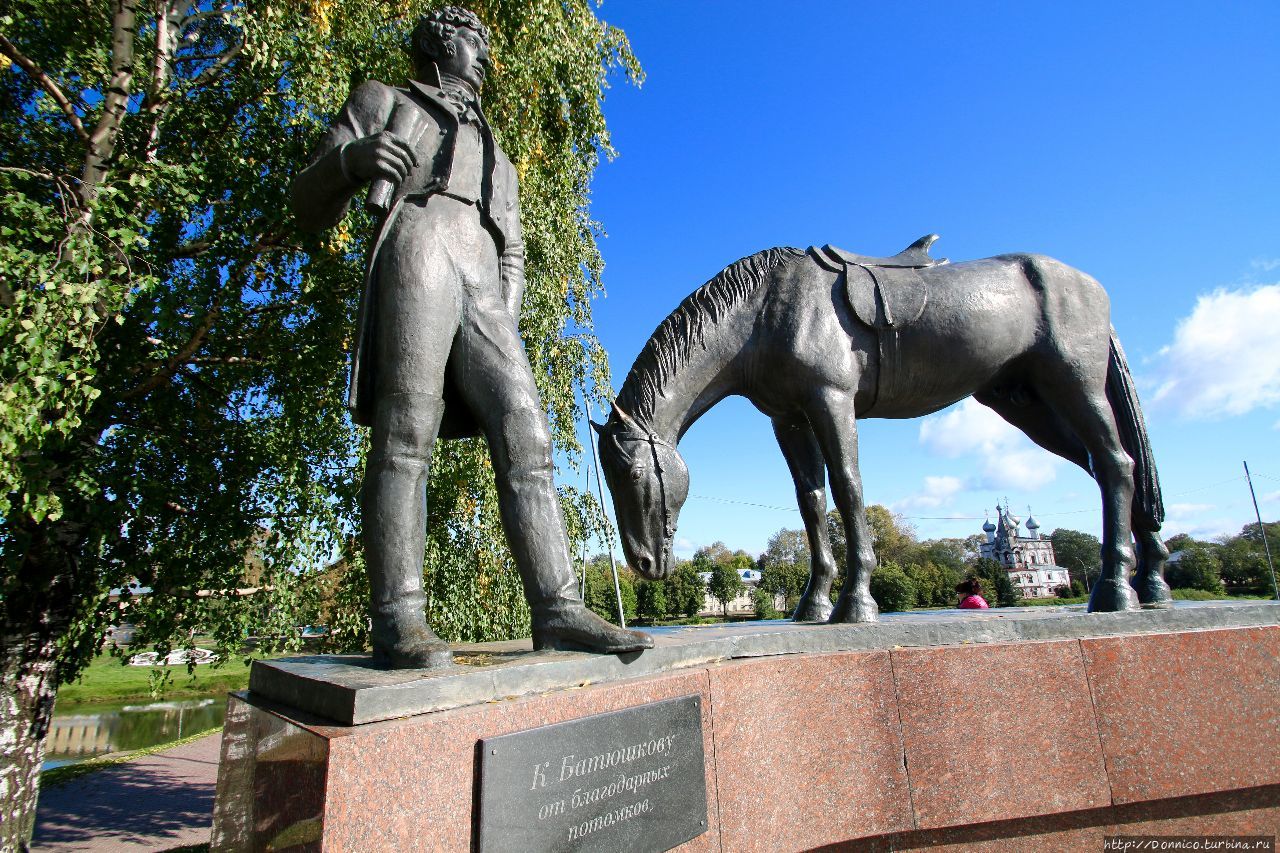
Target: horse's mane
<point x="671" y="345"/>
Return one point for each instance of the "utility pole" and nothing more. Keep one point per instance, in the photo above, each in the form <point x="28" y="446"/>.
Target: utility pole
<point x="1262" y="531"/>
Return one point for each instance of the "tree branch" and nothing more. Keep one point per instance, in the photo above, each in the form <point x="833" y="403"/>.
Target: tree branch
<point x="213" y="71"/>
<point x="169" y="23"/>
<point x="46" y="82"/>
<point x="115" y="103"/>
<point x="183" y="356"/>
<point x="224" y="359"/>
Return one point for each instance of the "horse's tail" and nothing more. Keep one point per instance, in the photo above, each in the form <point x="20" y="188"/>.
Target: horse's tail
<point x="1148" y="505"/>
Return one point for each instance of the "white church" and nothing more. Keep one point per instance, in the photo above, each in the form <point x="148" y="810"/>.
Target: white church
<point x="1028" y="559"/>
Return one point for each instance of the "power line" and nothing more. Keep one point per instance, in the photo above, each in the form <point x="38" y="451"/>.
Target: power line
<point x="1050" y="514"/>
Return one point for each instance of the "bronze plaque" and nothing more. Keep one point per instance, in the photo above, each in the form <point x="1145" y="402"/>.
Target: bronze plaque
<point x="628" y="780"/>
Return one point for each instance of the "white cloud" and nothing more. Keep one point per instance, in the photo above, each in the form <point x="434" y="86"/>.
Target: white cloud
<point x="937" y="492"/>
<point x="1225" y="357"/>
<point x="1196" y="520"/>
<point x="1269" y="497"/>
<point x="1265" y="264"/>
<point x="684" y="546"/>
<point x="1182" y="510"/>
<point x="1008" y="459"/>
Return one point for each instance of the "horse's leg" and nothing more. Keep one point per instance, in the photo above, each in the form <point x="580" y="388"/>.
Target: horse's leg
<point x="1045" y="428"/>
<point x="834" y="423"/>
<point x="1039" y="423"/>
<point x="1149" y="580"/>
<point x="804" y="458"/>
<point x="1086" y="411"/>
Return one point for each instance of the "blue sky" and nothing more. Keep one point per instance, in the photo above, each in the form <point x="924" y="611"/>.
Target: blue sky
<point x="1134" y="141"/>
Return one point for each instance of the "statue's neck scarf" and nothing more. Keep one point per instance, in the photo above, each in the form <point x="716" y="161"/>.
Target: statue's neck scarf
<point x="462" y="97"/>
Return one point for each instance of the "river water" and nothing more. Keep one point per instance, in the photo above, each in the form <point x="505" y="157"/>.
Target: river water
<point x="84" y="731"/>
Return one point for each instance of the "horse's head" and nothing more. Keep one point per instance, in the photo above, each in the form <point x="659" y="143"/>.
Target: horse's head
<point x="649" y="483"/>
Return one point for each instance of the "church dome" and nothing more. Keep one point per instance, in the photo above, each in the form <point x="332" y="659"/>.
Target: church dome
<point x="1032" y="524"/>
<point x="988" y="527"/>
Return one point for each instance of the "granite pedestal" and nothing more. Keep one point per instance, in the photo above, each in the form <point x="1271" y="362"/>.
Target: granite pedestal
<point x="1009" y="729"/>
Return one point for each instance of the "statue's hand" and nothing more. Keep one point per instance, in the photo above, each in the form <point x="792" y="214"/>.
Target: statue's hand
<point x="383" y="155"/>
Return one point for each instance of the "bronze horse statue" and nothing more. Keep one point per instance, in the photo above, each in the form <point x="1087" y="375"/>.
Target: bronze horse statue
<point x="818" y="339"/>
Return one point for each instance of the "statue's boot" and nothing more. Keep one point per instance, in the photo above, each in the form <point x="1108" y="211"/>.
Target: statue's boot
<point x="402" y="640"/>
<point x="567" y="624"/>
<point x="530" y="509"/>
<point x="394" y="510"/>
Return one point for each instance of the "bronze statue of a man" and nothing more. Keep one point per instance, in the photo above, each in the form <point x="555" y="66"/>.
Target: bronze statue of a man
<point x="438" y="351"/>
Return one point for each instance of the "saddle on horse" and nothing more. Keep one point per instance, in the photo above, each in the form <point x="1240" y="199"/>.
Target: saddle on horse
<point x="886" y="294"/>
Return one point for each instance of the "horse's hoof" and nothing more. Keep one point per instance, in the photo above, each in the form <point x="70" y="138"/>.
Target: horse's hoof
<point x="849" y="608"/>
<point x="816" y="609"/>
<point x="1112" y="596"/>
<point x="1153" y="592"/>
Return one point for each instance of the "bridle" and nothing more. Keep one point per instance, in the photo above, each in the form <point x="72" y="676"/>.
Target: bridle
<point x="635" y="433"/>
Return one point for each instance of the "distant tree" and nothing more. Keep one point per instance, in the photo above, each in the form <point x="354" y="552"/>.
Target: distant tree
<point x="950" y="553"/>
<point x="651" y="600"/>
<point x="1062" y="591"/>
<point x="1272" y="528"/>
<point x="1244" y="559"/>
<point x="934" y="583"/>
<point x="1079" y="553"/>
<point x="1178" y="542"/>
<point x="892" y="537"/>
<point x="726" y="583"/>
<point x="1077" y="590"/>
<point x="785" y="565"/>
<point x="741" y="561"/>
<point x="995" y="579"/>
<point x="892" y="589"/>
<point x="684" y="591"/>
<point x="601" y="597"/>
<point x="786" y="578"/>
<point x="1243" y="566"/>
<point x="762" y="604"/>
<point x="1197" y="567"/>
<point x="786" y="547"/>
<point x="713" y="553"/>
<point x="839" y="545"/>
<point x="973" y="546"/>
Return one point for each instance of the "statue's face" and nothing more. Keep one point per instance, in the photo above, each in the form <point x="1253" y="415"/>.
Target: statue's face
<point x="465" y="55"/>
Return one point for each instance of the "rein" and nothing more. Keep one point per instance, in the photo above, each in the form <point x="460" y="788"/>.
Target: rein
<point x="635" y="433"/>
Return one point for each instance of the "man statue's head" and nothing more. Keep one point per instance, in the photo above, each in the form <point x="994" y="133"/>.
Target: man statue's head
<point x="453" y="40"/>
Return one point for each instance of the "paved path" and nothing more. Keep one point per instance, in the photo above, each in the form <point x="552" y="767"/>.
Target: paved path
<point x="153" y="803"/>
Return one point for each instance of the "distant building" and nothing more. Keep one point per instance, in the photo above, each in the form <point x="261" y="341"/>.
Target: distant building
<point x="1028" y="559"/>
<point x="742" y="604"/>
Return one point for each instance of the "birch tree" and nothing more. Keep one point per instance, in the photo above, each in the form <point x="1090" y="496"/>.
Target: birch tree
<point x="174" y="352"/>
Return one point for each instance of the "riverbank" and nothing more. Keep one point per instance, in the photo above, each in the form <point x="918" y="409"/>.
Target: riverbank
<point x="111" y="679"/>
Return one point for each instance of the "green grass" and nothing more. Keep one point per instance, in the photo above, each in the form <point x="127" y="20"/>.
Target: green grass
<point x="63" y="775"/>
<point x="1049" y="602"/>
<point x="107" y="679"/>
<point x="1202" y="595"/>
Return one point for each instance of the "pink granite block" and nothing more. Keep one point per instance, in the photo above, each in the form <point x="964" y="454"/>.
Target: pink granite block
<point x="1254" y="811"/>
<point x="998" y="732"/>
<point x="271" y="782"/>
<point x="1187" y="713"/>
<point x="1048" y="833"/>
<point x="409" y="785"/>
<point x="809" y="750"/>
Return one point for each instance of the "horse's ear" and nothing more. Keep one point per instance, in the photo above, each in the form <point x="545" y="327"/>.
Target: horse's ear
<point x="622" y="416"/>
<point x="599" y="428"/>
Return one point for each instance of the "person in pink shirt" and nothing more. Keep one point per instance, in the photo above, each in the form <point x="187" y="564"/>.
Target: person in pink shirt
<point x="970" y="590"/>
